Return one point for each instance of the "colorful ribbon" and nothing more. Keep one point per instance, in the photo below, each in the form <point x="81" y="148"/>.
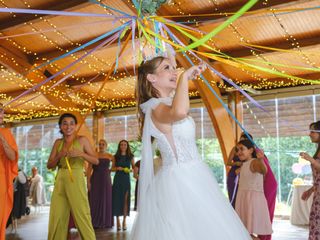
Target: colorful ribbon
<point x="222" y="26"/>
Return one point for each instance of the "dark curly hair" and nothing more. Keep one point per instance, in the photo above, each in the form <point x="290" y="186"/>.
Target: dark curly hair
<point x="65" y="115"/>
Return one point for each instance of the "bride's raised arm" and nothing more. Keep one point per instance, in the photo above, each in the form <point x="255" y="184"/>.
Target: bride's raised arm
<point x="180" y="104"/>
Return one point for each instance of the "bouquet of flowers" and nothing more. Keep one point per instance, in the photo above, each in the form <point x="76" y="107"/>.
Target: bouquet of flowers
<point x="150" y="7"/>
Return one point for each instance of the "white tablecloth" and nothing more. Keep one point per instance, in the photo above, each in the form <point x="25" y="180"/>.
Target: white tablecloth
<point x="300" y="210"/>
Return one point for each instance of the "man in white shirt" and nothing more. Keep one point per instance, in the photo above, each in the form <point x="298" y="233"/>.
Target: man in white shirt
<point x="37" y="190"/>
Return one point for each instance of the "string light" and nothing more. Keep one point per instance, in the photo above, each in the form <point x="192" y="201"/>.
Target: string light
<point x="256" y="118"/>
<point x="85" y="98"/>
<point x="294" y="43"/>
<point x="260" y="82"/>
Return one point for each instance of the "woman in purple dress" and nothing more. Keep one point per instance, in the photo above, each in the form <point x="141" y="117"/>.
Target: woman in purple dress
<point x="100" y="189"/>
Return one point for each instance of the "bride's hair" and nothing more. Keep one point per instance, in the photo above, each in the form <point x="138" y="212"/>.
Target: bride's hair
<point x="144" y="89"/>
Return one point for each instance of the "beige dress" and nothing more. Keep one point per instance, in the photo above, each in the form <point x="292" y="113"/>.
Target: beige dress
<point x="251" y="204"/>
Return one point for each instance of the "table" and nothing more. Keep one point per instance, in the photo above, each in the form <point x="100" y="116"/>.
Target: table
<point x="300" y="210"/>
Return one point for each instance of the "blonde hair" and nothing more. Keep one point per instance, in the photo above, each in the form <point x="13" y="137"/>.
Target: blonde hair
<point x="103" y="140"/>
<point x="144" y="89"/>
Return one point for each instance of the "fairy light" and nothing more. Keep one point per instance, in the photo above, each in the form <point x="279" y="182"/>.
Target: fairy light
<point x="177" y="4"/>
<point x="256" y="118"/>
<point x="86" y="98"/>
<point x="260" y="83"/>
<point x="54" y="66"/>
<point x="56" y="45"/>
<point x="294" y="42"/>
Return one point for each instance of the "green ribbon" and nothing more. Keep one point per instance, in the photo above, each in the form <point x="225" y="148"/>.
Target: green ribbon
<point x="222" y="26"/>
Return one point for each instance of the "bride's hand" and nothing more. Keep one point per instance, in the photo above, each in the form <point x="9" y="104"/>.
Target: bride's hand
<point x="194" y="71"/>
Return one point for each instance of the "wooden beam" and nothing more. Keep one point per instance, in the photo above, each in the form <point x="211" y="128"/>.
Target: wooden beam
<point x="309" y="76"/>
<point x="98" y="128"/>
<point x="12" y="23"/>
<point x="236" y="107"/>
<point x="121" y="73"/>
<point x="228" y="7"/>
<point x="242" y="51"/>
<point x="14" y="59"/>
<point x="13" y="93"/>
<point x="21" y="66"/>
<point x="42" y="57"/>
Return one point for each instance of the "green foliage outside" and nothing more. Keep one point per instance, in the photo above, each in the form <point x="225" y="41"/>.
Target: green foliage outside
<point x="288" y="154"/>
<point x="209" y="149"/>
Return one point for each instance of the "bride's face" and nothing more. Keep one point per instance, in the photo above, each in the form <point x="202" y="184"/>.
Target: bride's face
<point x="164" y="79"/>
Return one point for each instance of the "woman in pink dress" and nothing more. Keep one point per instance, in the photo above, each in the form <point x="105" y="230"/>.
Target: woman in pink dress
<point x="251" y="204"/>
<point x="270" y="186"/>
<point x="314" y="220"/>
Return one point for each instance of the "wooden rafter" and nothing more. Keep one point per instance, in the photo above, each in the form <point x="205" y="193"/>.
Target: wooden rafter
<point x="42" y="57"/>
<point x="70" y="5"/>
<point x="242" y="51"/>
<point x="121" y="73"/>
<point x="37" y="77"/>
<point x="226" y="8"/>
<point x="14" y="59"/>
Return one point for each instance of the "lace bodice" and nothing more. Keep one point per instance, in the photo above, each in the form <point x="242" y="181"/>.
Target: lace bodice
<point x="184" y="148"/>
<point x="183" y="134"/>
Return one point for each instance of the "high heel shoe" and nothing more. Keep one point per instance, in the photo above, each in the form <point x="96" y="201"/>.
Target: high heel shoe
<point x="118" y="227"/>
<point x="124" y="226"/>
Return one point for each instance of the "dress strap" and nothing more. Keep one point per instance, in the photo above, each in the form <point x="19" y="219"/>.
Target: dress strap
<point x="75" y="144"/>
<point x="152" y="103"/>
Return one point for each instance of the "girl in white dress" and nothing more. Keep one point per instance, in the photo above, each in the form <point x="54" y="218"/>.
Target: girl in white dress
<point x="182" y="201"/>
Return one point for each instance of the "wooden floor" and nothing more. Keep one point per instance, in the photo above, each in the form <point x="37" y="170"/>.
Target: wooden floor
<point x="35" y="227"/>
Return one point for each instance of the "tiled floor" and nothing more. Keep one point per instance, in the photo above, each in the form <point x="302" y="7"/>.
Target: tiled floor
<point x="35" y="227"/>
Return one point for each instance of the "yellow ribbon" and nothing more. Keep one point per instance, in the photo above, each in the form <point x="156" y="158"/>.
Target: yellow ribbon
<point x="69" y="168"/>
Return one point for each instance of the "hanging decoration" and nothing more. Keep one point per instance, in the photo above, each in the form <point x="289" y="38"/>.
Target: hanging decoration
<point x="154" y="31"/>
<point x="150" y="7"/>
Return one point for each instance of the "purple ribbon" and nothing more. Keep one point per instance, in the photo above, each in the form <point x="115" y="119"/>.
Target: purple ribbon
<point x="236" y="181"/>
<point x="219" y="74"/>
<point x="60" y="13"/>
<point x="51" y="30"/>
<point x="110" y="40"/>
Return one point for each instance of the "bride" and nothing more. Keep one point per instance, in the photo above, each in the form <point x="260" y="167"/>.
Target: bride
<point x="182" y="201"/>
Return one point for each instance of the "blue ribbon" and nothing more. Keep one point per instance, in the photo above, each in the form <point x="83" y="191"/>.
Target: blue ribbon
<point x="62" y="70"/>
<point x="222" y="103"/>
<point x="50" y="12"/>
<point x="81" y="47"/>
<point x="111" y="8"/>
<point x="219" y="74"/>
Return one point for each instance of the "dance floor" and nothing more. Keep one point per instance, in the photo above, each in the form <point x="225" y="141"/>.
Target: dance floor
<point x="35" y="227"/>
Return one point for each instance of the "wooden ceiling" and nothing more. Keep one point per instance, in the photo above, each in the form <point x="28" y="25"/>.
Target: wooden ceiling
<point x="289" y="38"/>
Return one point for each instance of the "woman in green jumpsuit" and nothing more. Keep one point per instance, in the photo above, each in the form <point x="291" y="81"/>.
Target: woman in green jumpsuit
<point x="70" y="193"/>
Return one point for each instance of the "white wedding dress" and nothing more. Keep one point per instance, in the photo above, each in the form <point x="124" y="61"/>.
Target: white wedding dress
<point x="182" y="201"/>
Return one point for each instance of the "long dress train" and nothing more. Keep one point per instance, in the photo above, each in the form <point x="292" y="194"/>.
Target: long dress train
<point x="182" y="201"/>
